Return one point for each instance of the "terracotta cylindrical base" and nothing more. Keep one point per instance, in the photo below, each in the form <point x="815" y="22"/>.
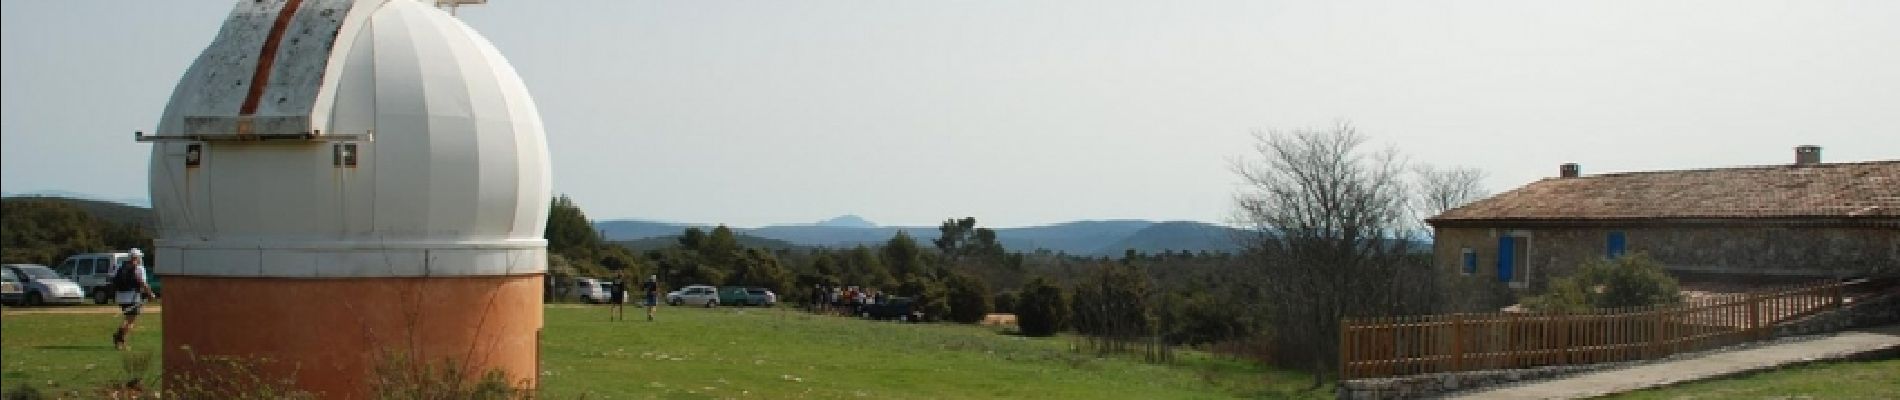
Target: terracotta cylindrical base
<point x="328" y="336"/>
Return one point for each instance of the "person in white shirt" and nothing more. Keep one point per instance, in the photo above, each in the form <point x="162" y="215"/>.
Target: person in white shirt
<point x="132" y="291"/>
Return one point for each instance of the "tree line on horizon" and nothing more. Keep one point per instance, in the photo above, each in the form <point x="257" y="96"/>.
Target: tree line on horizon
<point x="44" y="231"/>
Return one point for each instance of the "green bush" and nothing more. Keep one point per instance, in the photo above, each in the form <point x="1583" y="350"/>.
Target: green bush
<point x="927" y="296"/>
<point x="1630" y="281"/>
<point x="1005" y="301"/>
<point x="1042" y="309"/>
<point x="969" y="298"/>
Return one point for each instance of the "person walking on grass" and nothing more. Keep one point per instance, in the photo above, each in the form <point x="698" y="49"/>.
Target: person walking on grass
<point x="617" y="297"/>
<point x="652" y="289"/>
<point x="131" y="290"/>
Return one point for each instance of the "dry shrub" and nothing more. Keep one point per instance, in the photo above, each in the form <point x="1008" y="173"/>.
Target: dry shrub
<point x="398" y="377"/>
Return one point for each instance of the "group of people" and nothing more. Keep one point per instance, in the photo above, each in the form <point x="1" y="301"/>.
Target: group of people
<point x="847" y="299"/>
<point x="617" y="297"/>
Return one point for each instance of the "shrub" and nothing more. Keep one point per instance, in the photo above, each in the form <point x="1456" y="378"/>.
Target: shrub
<point x="1630" y="281"/>
<point x="398" y="377"/>
<point x="1005" y="301"/>
<point x="1042" y="309"/>
<point x="969" y="298"/>
<point x="927" y="297"/>
<point x="225" y="377"/>
<point x="24" y="391"/>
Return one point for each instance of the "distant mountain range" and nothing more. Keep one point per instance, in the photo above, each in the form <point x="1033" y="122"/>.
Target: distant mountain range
<point x="130" y="201"/>
<point x="1095" y="238"/>
<point x="1091" y="238"/>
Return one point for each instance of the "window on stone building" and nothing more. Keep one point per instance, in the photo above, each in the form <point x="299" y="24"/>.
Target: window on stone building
<point x="1514" y="260"/>
<point x="1614" y="244"/>
<point x="1470" y="261"/>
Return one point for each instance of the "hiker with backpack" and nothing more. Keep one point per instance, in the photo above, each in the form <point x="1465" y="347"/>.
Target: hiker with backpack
<point x="128" y="282"/>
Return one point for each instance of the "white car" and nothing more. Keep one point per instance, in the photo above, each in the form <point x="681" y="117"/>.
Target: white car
<point x="592" y="290"/>
<point x="695" y="294"/>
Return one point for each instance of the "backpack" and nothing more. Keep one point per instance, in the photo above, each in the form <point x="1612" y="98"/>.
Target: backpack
<point x="125" y="279"/>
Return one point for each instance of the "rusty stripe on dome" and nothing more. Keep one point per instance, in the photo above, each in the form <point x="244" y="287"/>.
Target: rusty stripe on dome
<point x="268" y="55"/>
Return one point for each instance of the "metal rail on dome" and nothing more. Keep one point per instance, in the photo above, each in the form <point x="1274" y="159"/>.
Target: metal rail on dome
<point x="311" y="136"/>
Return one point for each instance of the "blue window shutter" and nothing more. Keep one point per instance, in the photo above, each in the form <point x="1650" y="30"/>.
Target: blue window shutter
<point x="1506" y="248"/>
<point x="1616" y="244"/>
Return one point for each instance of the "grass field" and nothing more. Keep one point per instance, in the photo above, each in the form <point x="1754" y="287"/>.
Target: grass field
<point x="693" y="353"/>
<point x="67" y="351"/>
<point x="1829" y="380"/>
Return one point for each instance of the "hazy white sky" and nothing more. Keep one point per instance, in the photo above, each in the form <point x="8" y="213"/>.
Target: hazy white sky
<point x="1033" y="112"/>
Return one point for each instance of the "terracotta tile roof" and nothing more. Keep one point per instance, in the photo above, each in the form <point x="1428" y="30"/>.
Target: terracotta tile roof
<point x="1851" y="191"/>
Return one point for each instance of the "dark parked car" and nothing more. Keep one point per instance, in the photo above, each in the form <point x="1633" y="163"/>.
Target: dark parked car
<point x="745" y="296"/>
<point x="897" y="308"/>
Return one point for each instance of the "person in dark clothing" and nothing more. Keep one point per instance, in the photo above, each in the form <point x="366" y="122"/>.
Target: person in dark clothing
<point x="652" y="289"/>
<point x="617" y="297"/>
<point x="131" y="290"/>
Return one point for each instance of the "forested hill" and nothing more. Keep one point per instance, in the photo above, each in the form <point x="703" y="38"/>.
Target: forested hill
<point x="44" y="230"/>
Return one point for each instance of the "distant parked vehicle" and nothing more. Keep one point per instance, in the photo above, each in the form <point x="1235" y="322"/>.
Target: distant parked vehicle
<point x="745" y="296"/>
<point x="760" y="297"/>
<point x="593" y="290"/>
<point x="695" y="295"/>
<point x="93" y="273"/>
<point x="10" y="292"/>
<point x="897" y="308"/>
<point x="40" y="285"/>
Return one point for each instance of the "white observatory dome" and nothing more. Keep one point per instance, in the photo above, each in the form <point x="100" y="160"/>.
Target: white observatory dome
<point x="367" y="138"/>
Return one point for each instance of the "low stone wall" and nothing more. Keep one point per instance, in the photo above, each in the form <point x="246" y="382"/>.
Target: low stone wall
<point x="1870" y="311"/>
<point x="1432" y="385"/>
<point x="1874" y="310"/>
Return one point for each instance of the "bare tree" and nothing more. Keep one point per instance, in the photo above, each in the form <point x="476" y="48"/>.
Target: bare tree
<point x="1330" y="238"/>
<point x="1442" y="189"/>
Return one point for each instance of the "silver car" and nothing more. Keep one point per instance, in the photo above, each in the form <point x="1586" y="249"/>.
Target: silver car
<point x="40" y="285"/>
<point x="695" y="295"/>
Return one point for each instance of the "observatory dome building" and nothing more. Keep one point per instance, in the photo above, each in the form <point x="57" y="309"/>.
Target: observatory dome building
<point x="339" y="181"/>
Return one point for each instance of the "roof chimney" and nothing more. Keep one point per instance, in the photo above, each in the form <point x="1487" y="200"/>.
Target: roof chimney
<point x="1568" y="170"/>
<point x="1807" y="155"/>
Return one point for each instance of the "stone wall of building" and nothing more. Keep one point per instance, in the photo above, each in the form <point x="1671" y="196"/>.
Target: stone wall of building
<point x="1815" y="252"/>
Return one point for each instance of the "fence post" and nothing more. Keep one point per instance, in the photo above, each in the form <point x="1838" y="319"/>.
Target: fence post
<point x="1511" y="341"/>
<point x="1837" y="289"/>
<point x="1754" y="314"/>
<point x="1345" y="348"/>
<point x="1566" y="331"/>
<point x="1458" y="342"/>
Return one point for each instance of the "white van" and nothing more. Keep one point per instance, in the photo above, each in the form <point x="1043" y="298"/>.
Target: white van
<point x="592" y="290"/>
<point x="92" y="271"/>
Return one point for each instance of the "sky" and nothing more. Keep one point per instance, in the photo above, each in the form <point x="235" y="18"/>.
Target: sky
<point x="1021" y="113"/>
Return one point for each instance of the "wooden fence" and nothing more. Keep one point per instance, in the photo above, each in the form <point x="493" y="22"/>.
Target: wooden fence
<point x="1396" y="346"/>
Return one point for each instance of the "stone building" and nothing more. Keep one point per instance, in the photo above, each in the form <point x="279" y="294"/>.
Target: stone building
<point x="1803" y="220"/>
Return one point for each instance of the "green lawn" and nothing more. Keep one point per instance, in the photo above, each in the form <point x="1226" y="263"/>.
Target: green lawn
<point x="69" y="351"/>
<point x="743" y="353"/>
<point x="1829" y="380"/>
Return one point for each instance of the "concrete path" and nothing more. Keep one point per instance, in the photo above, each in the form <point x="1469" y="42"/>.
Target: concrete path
<point x="1715" y="365"/>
